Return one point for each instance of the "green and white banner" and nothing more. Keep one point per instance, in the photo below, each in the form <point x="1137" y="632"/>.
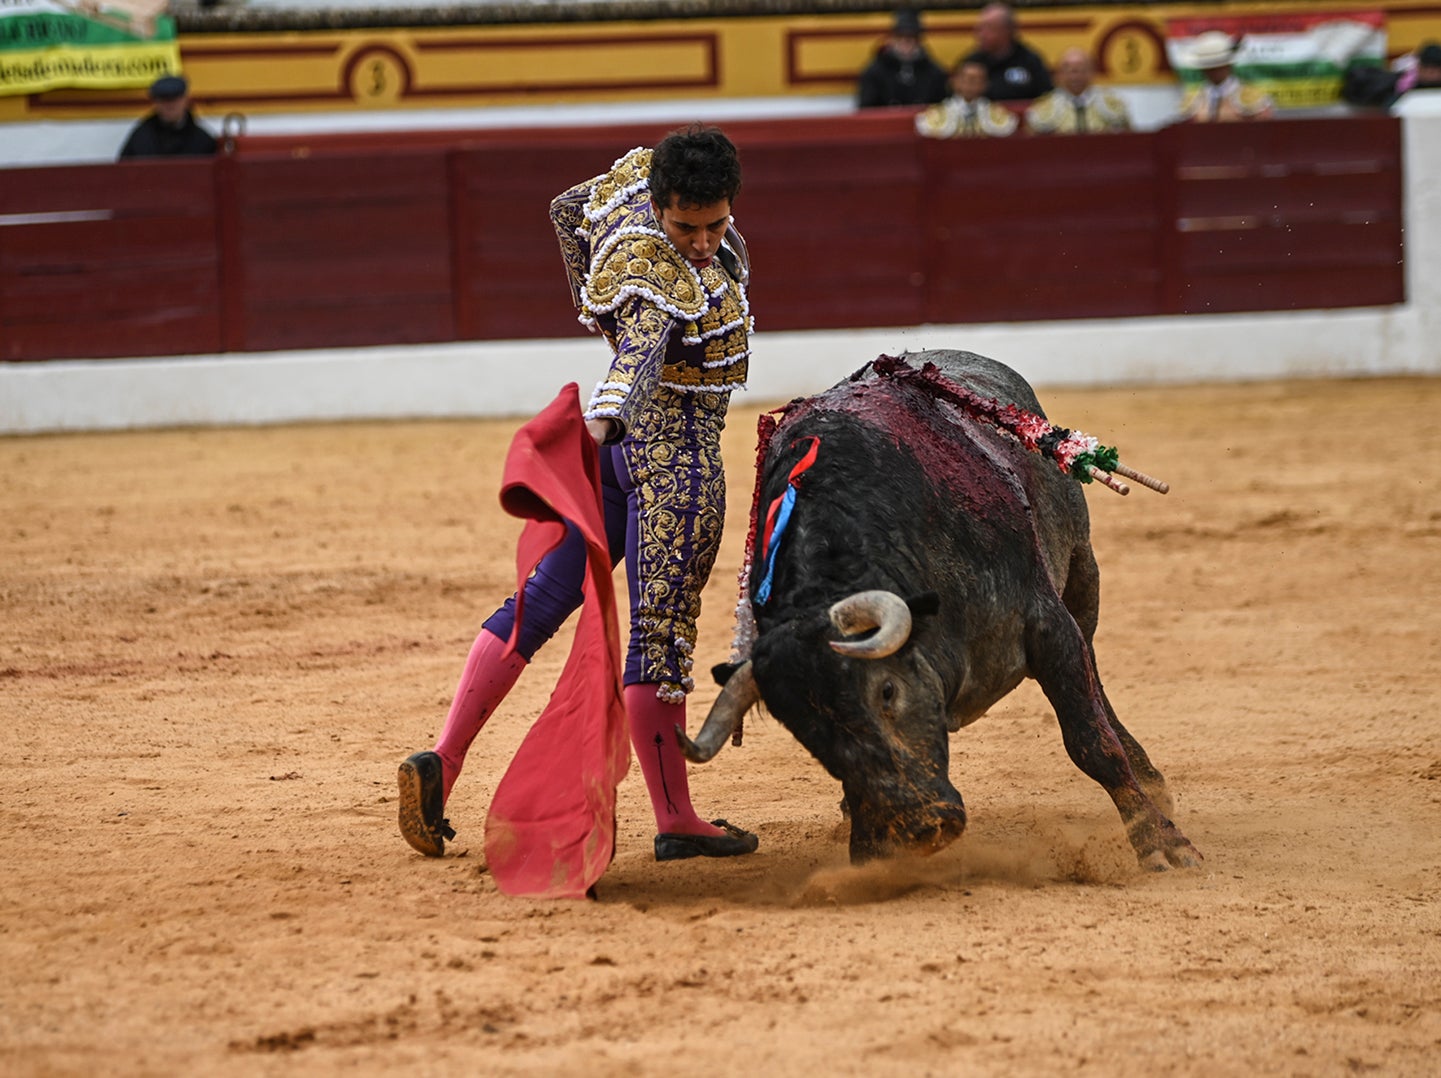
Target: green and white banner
<point x="48" y="44"/>
<point x="1299" y="59"/>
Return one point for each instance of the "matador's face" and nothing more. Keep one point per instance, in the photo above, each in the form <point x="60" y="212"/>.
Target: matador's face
<point x="696" y="231"/>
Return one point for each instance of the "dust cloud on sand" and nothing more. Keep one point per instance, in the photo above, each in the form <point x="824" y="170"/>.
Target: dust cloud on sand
<point x="218" y="644"/>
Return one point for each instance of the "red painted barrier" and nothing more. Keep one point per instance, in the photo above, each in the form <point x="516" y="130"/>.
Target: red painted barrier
<point x="1304" y="214"/>
<point x="1025" y="229"/>
<point x="119" y="260"/>
<point x="364" y="239"/>
<point x="341" y="250"/>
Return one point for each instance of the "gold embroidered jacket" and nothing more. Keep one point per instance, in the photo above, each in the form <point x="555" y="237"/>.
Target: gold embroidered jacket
<point x="1058" y="113"/>
<point x="667" y="323"/>
<point x="955" y="118"/>
<point x="1231" y="100"/>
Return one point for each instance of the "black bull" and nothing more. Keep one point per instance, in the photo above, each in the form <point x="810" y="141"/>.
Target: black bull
<point x="930" y="563"/>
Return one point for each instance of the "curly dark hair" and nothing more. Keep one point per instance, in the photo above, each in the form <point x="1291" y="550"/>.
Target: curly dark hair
<point x="698" y="165"/>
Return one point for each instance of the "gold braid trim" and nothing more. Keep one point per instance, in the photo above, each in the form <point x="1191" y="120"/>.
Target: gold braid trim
<point x="630" y="256"/>
<point x="724" y="332"/>
<point x="639" y="264"/>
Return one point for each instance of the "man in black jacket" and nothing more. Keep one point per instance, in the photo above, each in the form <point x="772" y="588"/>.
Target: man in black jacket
<point x="902" y="73"/>
<point x="170" y="130"/>
<point x="1015" y="72"/>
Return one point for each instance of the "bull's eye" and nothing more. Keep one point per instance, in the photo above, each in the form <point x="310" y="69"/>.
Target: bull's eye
<point x="888" y="692"/>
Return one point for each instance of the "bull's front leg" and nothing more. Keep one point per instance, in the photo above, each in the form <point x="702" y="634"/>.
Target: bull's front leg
<point x="1082" y="598"/>
<point x="1060" y="662"/>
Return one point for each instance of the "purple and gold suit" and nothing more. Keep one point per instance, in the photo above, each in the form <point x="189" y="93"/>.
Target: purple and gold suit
<point x="679" y="338"/>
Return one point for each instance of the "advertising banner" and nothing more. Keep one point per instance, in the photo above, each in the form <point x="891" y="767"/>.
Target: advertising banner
<point x="48" y="44"/>
<point x="1299" y="59"/>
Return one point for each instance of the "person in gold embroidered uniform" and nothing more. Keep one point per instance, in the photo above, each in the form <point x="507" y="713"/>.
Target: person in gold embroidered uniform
<point x="967" y="113"/>
<point x="1076" y="106"/>
<point x="1221" y="97"/>
<point x="656" y="265"/>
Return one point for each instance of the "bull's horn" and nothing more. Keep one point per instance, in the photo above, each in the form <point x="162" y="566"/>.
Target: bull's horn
<point x="884" y="611"/>
<point x="740" y="694"/>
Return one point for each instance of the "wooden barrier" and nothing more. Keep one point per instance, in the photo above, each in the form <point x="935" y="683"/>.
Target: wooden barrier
<point x="342" y="241"/>
<point x="341" y="250"/>
<point x="1065" y="226"/>
<point x="120" y="260"/>
<point x="1307" y="216"/>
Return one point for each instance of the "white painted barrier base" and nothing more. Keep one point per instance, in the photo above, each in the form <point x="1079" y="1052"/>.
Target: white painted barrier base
<point x="500" y="378"/>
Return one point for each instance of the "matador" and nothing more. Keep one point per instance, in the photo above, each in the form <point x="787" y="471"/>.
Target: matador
<point x="656" y="266"/>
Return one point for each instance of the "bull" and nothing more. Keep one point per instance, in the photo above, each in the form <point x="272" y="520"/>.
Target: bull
<point x="929" y="562"/>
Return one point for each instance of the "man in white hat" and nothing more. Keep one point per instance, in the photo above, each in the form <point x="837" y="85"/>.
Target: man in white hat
<point x="1221" y="97"/>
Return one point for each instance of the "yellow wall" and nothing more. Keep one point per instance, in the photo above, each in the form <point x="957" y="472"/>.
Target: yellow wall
<point x="470" y="67"/>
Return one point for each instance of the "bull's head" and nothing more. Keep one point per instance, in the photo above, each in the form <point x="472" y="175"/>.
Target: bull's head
<point x="867" y="706"/>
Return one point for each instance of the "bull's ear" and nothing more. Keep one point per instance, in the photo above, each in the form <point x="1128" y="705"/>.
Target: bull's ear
<point x="924" y="604"/>
<point x="722" y="672"/>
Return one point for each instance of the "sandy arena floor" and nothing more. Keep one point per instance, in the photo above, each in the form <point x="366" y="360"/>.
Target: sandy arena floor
<point x="218" y="644"/>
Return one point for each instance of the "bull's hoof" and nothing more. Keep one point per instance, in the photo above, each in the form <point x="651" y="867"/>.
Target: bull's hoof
<point x="1177" y="854"/>
<point x="1158" y="842"/>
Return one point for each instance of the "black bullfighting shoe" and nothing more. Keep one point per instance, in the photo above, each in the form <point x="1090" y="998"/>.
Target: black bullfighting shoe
<point x="422" y="799"/>
<point x="670" y="846"/>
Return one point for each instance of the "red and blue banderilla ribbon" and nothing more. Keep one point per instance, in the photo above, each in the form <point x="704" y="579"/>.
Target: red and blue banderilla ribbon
<point x="778" y="516"/>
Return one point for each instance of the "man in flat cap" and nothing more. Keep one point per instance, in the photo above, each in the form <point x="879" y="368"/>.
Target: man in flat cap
<point x="902" y="72"/>
<point x="171" y="129"/>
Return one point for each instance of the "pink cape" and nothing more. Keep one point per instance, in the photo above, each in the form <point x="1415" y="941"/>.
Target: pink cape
<point x="550" y="832"/>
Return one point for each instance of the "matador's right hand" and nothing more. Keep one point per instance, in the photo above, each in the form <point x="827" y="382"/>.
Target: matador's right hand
<point x="601" y="429"/>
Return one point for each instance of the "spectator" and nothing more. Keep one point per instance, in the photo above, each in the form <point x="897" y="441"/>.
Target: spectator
<point x="1373" y="86"/>
<point x="171" y="129"/>
<point x="1221" y="97"/>
<point x="967" y="113"/>
<point x="1424" y="71"/>
<point x="1428" y="67"/>
<point x="1013" y="71"/>
<point x="1076" y="107"/>
<point x="902" y="72"/>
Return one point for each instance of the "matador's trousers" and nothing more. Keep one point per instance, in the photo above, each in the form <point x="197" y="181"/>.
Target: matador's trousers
<point x="664" y="499"/>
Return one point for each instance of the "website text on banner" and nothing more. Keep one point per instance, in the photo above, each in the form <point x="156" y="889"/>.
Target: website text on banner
<point x="50" y="44"/>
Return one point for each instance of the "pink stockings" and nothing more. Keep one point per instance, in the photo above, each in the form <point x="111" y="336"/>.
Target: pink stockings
<point x="652" y="735"/>
<point x="488" y="677"/>
<point x="483" y="685"/>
